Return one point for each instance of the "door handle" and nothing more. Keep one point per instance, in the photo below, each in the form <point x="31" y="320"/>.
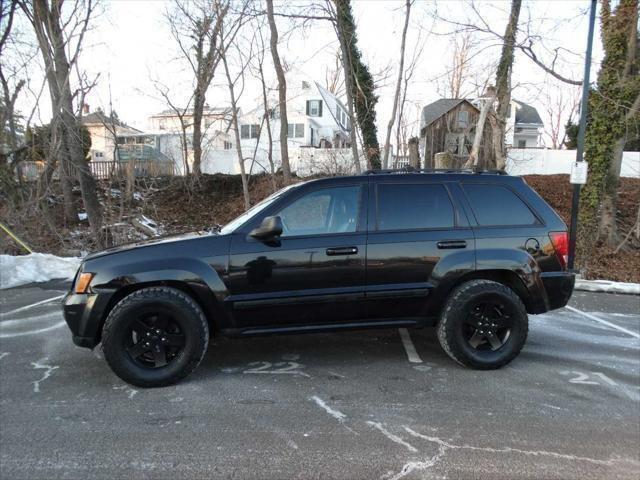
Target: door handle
<point x="342" y="251"/>
<point x="452" y="244"/>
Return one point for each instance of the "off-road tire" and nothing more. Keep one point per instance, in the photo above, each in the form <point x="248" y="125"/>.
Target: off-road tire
<point x="192" y="321"/>
<point x="457" y="308"/>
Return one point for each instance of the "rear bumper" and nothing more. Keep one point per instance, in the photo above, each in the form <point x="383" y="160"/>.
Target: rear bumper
<point x="83" y="314"/>
<point x="558" y="287"/>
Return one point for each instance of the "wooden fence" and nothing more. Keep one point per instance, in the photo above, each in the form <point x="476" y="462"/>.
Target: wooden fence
<point x="31" y="171"/>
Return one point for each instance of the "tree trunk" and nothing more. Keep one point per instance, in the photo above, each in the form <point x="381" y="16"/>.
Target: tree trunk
<point x="346" y="65"/>
<point x="414" y="153"/>
<point x="396" y="97"/>
<point x="198" y="107"/>
<point x="236" y="130"/>
<point x="282" y="95"/>
<point x="503" y="83"/>
<point x="477" y="139"/>
<point x="267" y="117"/>
<point x="362" y="84"/>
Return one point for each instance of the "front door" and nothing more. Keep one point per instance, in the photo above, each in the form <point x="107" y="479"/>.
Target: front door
<point x="314" y="272"/>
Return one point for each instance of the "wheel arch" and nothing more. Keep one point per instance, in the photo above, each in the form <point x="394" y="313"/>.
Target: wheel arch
<point x="506" y="277"/>
<point x="197" y="292"/>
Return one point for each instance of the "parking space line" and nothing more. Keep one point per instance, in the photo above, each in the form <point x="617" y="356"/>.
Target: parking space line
<point x="604" y="322"/>
<point x="27" y="307"/>
<point x="412" y="355"/>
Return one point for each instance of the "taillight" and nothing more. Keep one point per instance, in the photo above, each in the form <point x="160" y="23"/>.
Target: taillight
<point x="560" y="241"/>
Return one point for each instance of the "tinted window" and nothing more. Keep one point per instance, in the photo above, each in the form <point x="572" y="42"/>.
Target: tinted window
<point x="330" y="210"/>
<point x="404" y="207"/>
<point x="496" y="205"/>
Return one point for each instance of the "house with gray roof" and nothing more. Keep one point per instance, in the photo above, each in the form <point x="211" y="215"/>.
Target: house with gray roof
<point x="524" y="126"/>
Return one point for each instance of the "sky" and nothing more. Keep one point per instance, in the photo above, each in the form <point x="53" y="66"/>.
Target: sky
<point x="130" y="46"/>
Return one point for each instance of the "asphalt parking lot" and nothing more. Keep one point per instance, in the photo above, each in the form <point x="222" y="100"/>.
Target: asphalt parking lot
<point x="381" y="404"/>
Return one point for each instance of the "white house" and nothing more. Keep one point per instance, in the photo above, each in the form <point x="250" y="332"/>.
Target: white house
<point x="103" y="130"/>
<point x="317" y="119"/>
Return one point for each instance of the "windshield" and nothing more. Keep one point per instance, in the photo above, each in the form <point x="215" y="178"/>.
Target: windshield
<point x="257" y="208"/>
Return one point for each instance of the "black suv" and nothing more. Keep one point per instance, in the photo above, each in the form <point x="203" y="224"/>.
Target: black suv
<point x="470" y="253"/>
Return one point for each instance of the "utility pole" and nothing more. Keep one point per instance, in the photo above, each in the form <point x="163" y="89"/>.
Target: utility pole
<point x="584" y="105"/>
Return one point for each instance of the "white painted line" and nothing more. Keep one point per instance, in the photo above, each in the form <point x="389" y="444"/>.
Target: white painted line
<point x="392" y="437"/>
<point x="334" y="413"/>
<point x="412" y="355"/>
<point x="27" y="307"/>
<point x="604" y="322"/>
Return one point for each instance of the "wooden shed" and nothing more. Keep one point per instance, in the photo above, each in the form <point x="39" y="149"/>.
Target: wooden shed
<point x="449" y="125"/>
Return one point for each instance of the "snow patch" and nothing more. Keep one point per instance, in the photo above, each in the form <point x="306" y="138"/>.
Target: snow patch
<point x="607" y="286"/>
<point x="35" y="267"/>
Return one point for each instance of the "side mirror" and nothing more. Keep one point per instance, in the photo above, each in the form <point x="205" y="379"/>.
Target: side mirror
<point x="270" y="228"/>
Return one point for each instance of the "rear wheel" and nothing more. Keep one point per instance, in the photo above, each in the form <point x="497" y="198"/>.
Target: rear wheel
<point x="155" y="337"/>
<point x="483" y="325"/>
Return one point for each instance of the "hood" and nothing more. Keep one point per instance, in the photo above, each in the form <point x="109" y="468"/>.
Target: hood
<point x="153" y="241"/>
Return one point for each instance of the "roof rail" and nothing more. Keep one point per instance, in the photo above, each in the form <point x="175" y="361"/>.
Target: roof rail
<point x="476" y="171"/>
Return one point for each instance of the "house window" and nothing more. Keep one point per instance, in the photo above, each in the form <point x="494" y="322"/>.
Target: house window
<point x="296" y="130"/>
<point x="522" y="144"/>
<point x="208" y="122"/>
<point x="227" y="145"/>
<point x="463" y="119"/>
<point x="162" y="125"/>
<point x="314" y="108"/>
<point x="249" y="131"/>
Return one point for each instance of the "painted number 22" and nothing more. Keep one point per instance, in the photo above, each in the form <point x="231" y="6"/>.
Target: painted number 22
<point x="584" y="378"/>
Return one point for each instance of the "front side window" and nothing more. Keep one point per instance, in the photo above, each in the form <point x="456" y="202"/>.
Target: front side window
<point x="414" y="206"/>
<point x="330" y="210"/>
<point x="494" y="205"/>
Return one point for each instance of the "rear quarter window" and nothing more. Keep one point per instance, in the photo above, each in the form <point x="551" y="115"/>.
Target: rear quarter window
<point x="495" y="205"/>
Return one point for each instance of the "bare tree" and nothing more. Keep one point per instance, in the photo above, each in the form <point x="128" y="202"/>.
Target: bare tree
<point x="195" y="26"/>
<point x="560" y="105"/>
<point x="234" y="95"/>
<point x="11" y="88"/>
<point x="396" y="97"/>
<point x="503" y="84"/>
<point x="60" y="40"/>
<point x="334" y="76"/>
<point x="282" y="94"/>
<point x="268" y="111"/>
<point x="185" y="119"/>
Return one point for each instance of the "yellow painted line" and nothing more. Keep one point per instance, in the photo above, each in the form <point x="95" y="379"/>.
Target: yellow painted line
<point x="13" y="235"/>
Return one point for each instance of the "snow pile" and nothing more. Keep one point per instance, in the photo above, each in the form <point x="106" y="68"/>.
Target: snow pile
<point x="607" y="286"/>
<point x="36" y="267"/>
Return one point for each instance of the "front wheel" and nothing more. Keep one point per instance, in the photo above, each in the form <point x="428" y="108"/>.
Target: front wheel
<point x="483" y="325"/>
<point x="155" y="336"/>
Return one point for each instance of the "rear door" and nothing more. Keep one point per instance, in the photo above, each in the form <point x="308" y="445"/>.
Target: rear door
<point x="417" y="236"/>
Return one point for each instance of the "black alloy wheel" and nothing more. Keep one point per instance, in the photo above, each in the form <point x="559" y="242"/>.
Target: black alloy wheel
<point x="483" y="324"/>
<point x="488" y="325"/>
<point x="155" y="336"/>
<point x="154" y="340"/>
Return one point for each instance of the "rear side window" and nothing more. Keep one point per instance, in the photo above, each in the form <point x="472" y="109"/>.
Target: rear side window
<point x="413" y="206"/>
<point x="494" y="205"/>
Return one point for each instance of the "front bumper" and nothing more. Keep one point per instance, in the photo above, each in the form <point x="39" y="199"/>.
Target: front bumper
<point x="83" y="314"/>
<point x="558" y="287"/>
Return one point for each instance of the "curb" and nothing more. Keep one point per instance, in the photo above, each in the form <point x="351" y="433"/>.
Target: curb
<point x="607" y="286"/>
